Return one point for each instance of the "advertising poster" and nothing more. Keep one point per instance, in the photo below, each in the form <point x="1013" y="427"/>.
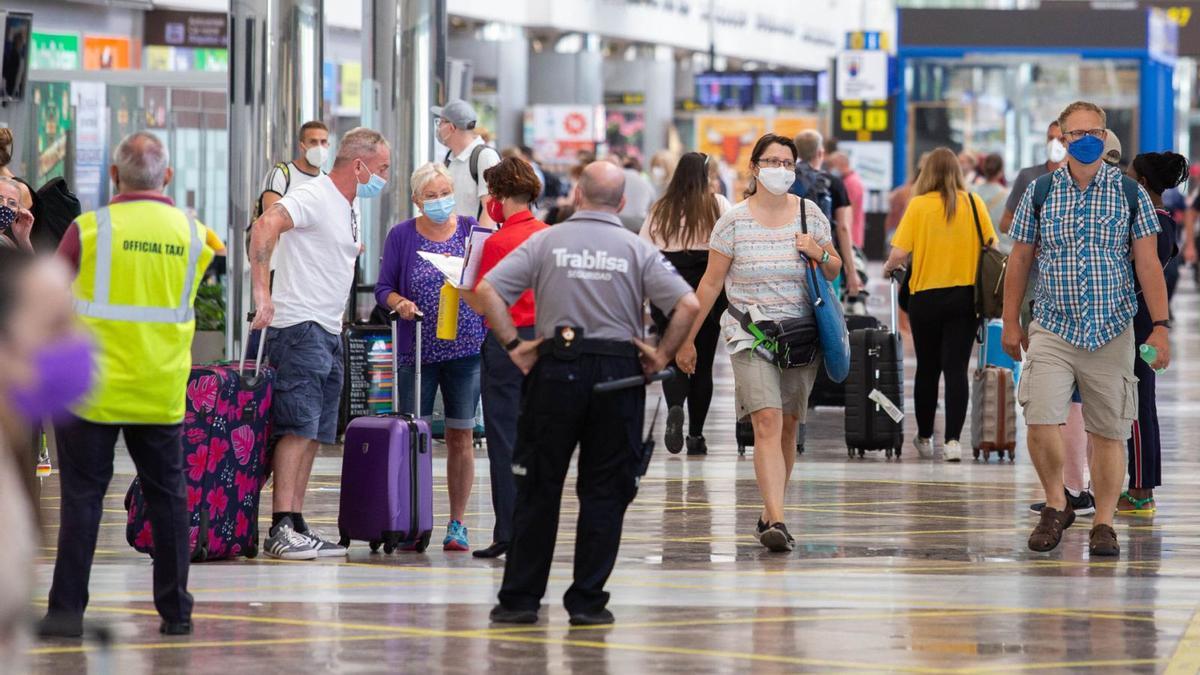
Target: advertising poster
<point x="212" y="60"/>
<point x="558" y="132"/>
<point x="55" y="51"/>
<point x="106" y="53"/>
<point x="159" y="57"/>
<point x="872" y="161"/>
<point x="862" y="76"/>
<point x="122" y="111"/>
<point x="731" y="139"/>
<point x="350" y="96"/>
<point x="90" y="141"/>
<point x="155" y="107"/>
<point x="52" y="110"/>
<point x="625" y="132"/>
<point x="791" y="126"/>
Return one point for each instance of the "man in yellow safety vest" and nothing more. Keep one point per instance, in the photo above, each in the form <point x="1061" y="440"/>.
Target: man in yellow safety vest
<point x="139" y="263"/>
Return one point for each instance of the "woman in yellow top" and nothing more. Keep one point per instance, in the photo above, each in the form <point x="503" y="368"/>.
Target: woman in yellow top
<point x="938" y="232"/>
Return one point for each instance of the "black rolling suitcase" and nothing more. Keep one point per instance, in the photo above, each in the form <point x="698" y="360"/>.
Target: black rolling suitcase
<point x="875" y="389"/>
<point x="825" y="392"/>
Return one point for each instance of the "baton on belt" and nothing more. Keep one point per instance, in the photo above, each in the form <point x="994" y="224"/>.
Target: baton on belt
<point x="634" y="381"/>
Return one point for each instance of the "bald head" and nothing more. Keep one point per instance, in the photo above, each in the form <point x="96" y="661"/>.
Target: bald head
<point x="602" y="187"/>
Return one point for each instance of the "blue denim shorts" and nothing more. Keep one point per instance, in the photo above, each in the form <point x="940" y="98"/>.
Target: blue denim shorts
<point x="308" y="381"/>
<point x="459" y="382"/>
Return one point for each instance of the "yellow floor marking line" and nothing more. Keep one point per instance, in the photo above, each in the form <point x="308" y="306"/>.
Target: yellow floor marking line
<point x="1186" y="658"/>
<point x="1061" y="665"/>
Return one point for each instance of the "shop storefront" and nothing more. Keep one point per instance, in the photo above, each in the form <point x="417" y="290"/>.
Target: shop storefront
<point x="991" y="81"/>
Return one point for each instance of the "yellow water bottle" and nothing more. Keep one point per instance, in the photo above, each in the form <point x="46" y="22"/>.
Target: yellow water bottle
<point x="447" y="323"/>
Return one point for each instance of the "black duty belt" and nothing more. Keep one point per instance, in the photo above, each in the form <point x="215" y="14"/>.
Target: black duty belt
<point x="588" y="346"/>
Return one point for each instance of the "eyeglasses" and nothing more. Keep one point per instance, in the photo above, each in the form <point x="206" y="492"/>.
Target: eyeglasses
<point x="1080" y="133"/>
<point x="772" y="163"/>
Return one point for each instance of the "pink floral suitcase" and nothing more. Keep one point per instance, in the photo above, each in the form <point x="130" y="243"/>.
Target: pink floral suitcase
<point x="225" y="434"/>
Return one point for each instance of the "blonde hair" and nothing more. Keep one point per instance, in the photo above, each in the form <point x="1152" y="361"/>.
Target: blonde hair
<point x="941" y="173"/>
<point x="1078" y="106"/>
<point x="425" y="174"/>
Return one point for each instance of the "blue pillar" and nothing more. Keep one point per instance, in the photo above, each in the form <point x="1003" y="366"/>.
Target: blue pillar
<point x="1156" y="107"/>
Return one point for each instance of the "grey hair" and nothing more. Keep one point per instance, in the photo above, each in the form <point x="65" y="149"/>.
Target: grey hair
<point x="425" y="175"/>
<point x="809" y="144"/>
<point x="141" y="160"/>
<point x="358" y="143"/>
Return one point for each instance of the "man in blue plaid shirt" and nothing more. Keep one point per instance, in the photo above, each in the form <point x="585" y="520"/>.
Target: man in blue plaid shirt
<point x="1091" y="224"/>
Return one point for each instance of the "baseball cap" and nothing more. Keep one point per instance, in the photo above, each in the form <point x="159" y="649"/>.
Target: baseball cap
<point x="457" y="112"/>
<point x="1112" y="148"/>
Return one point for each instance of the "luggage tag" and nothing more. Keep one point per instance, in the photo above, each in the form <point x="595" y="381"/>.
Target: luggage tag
<point x="886" y="403"/>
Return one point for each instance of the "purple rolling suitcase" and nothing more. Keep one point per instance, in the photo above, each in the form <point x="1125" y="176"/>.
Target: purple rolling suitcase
<point x="225" y="433"/>
<point x="387" y="474"/>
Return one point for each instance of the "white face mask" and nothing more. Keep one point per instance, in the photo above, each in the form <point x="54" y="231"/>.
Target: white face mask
<point x="777" y="180"/>
<point x="316" y="155"/>
<point x="1055" y="151"/>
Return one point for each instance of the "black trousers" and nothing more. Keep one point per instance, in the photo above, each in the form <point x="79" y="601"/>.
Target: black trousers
<point x="1145" y="445"/>
<point x="943" y="329"/>
<point x="696" y="389"/>
<point x="85" y="460"/>
<point x="558" y="412"/>
<point x="500" y="385"/>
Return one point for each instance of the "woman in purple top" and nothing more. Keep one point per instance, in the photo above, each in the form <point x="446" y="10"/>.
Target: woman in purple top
<point x="409" y="284"/>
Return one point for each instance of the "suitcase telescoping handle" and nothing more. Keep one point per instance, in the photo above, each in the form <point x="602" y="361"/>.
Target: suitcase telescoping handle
<point x="416" y="364"/>
<point x="896" y="279"/>
<point x="262" y="342"/>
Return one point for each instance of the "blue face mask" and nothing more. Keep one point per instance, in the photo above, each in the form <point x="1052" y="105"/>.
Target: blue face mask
<point x="1087" y="149"/>
<point x="438" y="210"/>
<point x="372" y="188"/>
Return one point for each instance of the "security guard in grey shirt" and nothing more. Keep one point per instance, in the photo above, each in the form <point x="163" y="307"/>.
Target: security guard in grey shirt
<point x="590" y="277"/>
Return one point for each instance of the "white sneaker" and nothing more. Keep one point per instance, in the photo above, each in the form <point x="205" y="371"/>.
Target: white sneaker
<point x="952" y="452"/>
<point x="325" y="548"/>
<point x="924" y="447"/>
<point x="288" y="544"/>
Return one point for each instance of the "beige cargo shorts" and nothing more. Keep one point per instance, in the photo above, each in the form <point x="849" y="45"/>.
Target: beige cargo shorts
<point x="1054" y="367"/>
<point x="758" y="385"/>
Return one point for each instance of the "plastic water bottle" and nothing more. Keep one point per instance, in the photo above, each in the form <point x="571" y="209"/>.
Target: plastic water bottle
<point x="1149" y="354"/>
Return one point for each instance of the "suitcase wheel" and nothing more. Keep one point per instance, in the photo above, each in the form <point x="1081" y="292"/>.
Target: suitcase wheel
<point x="975" y="452"/>
<point x="344" y="542"/>
<point x="899" y="450"/>
<point x="799" y="448"/>
<point x="888" y="453"/>
<point x="252" y="550"/>
<point x="374" y="544"/>
<point x="389" y="547"/>
<point x="741" y="450"/>
<point x="861" y="453"/>
<point x="423" y="542"/>
<point x="1012" y="455"/>
<point x="850" y="452"/>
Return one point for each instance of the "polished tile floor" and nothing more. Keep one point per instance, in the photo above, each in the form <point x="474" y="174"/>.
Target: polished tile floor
<point x="901" y="566"/>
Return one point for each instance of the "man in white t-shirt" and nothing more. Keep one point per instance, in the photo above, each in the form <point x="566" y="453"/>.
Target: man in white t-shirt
<point x="468" y="158"/>
<point x="314" y="150"/>
<point x="304" y="308"/>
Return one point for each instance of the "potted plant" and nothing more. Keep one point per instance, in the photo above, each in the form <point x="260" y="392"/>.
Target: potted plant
<point x="209" y="342"/>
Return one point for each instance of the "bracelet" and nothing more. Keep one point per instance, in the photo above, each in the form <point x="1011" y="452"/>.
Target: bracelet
<point x="824" y="257"/>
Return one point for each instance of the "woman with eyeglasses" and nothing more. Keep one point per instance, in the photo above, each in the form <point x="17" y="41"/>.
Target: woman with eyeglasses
<point x="679" y="224"/>
<point x="409" y="284"/>
<point x="759" y="252"/>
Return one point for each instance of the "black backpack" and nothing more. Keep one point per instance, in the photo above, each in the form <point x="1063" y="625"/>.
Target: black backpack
<point x="816" y="187"/>
<point x="55" y="207"/>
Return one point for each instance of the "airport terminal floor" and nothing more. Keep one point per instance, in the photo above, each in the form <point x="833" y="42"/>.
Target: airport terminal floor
<point x="900" y="566"/>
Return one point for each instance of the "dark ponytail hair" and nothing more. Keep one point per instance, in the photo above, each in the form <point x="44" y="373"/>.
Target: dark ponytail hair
<point x="1160" y="171"/>
<point x="760" y="148"/>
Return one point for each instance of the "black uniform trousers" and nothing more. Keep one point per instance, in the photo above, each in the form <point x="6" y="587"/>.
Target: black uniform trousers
<point x="85" y="460"/>
<point x="500" y="385"/>
<point x="558" y="412"/>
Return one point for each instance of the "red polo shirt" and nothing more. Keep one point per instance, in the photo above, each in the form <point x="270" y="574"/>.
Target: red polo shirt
<point x="516" y="229"/>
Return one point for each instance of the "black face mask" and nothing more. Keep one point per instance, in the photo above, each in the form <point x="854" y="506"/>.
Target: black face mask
<point x="7" y="218"/>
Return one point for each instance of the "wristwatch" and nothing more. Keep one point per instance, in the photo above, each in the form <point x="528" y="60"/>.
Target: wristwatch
<point x="824" y="257"/>
<point x="1165" y="323"/>
<point x="516" y="342"/>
